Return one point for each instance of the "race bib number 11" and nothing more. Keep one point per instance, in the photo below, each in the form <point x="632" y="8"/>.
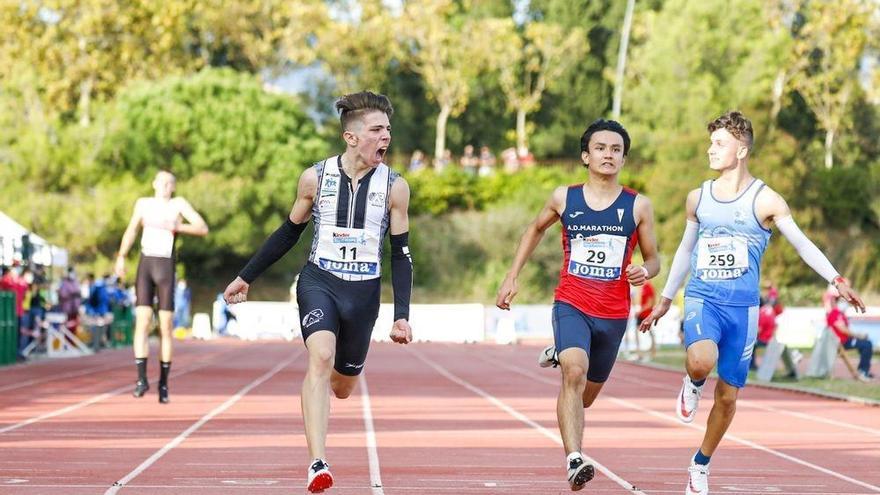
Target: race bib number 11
<point x="348" y="251"/>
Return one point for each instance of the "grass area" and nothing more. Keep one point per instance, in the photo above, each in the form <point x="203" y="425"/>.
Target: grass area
<point x="674" y="356"/>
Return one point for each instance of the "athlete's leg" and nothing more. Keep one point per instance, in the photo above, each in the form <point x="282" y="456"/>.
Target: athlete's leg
<point x="570" y="404"/>
<point x="165" y="335"/>
<point x="342" y="385"/>
<point x="321" y="346"/>
<point x="720" y="417"/>
<point x="143" y="317"/>
<point x="591" y="391"/>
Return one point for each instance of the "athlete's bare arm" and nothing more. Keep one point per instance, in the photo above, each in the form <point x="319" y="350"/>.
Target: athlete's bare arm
<point x="401" y="332"/>
<point x="528" y="242"/>
<point x="128" y="238"/>
<point x="680" y="264"/>
<point x="644" y="216"/>
<point x="300" y="213"/>
<point x="196" y="224"/>
<point x="771" y="208"/>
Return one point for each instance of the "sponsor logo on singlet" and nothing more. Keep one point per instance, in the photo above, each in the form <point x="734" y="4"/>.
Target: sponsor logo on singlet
<point x="595" y="228"/>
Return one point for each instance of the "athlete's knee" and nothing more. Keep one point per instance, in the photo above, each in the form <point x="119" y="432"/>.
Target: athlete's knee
<point x="574" y="374"/>
<point x="342" y="390"/>
<point x="726" y="401"/>
<point x="321" y="358"/>
<point x="699" y="367"/>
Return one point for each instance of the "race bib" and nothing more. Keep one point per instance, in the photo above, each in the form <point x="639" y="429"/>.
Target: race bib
<point x="598" y="257"/>
<point x="722" y="258"/>
<point x="348" y="251"/>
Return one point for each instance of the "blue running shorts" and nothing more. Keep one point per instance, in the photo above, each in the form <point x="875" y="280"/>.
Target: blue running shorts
<point x="732" y="328"/>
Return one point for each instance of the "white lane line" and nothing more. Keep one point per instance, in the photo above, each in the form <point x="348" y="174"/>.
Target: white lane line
<point x="198" y="424"/>
<point x="672" y="419"/>
<point x="62" y="376"/>
<point x="523" y="418"/>
<point x="97" y="398"/>
<point x="754" y="405"/>
<point x="372" y="453"/>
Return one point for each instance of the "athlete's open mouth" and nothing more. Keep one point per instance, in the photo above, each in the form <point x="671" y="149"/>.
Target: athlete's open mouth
<point x="380" y="153"/>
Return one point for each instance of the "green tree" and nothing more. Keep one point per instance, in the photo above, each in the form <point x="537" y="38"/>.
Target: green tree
<point x="826" y="53"/>
<point x="530" y="60"/>
<point x="441" y="42"/>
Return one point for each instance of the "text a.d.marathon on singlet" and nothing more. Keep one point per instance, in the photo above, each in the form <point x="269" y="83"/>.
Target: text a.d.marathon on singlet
<point x="594" y="228"/>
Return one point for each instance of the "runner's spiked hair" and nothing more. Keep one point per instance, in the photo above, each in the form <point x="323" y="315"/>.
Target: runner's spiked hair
<point x="353" y="106"/>
<point x="735" y="123"/>
<point x="605" y="125"/>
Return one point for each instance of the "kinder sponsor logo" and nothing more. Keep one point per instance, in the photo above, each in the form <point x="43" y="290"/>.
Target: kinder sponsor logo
<point x="596" y="243"/>
<point x="716" y="247"/>
<point x="346" y="238"/>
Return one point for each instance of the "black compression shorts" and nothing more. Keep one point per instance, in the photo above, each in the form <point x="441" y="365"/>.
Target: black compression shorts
<point x="155" y="277"/>
<point x="347" y="308"/>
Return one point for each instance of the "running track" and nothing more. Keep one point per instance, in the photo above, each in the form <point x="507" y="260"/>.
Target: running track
<point x="432" y="419"/>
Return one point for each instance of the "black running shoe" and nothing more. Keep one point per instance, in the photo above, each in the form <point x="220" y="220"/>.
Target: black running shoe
<point x="579" y="473"/>
<point x="140" y="388"/>
<point x="163" y="394"/>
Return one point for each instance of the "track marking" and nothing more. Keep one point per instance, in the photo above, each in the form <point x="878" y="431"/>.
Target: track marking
<point x="754" y="405"/>
<point x="98" y="398"/>
<point x="523" y="418"/>
<point x="65" y="376"/>
<point x="670" y="418"/>
<point x="372" y="453"/>
<point x="198" y="424"/>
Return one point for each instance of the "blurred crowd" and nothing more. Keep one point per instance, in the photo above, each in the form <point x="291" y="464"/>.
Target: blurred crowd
<point x="86" y="305"/>
<point x="482" y="164"/>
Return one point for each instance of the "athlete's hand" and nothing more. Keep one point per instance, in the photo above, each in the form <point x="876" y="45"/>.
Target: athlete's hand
<point x="636" y="275"/>
<point x="506" y="293"/>
<point x="850" y="296"/>
<point x="236" y="291"/>
<point x="119" y="268"/>
<point x="401" y="332"/>
<point x="659" y="310"/>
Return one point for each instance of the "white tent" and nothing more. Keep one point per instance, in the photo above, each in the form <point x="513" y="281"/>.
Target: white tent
<point x="44" y="253"/>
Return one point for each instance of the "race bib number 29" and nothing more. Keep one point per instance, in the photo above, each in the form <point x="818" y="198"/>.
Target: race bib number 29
<point x="598" y="257"/>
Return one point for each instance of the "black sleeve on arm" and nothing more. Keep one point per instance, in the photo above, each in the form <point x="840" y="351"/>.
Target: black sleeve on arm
<point x="276" y="246"/>
<point x="401" y="275"/>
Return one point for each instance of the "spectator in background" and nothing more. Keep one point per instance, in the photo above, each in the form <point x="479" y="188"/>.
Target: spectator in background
<point x="417" y="161"/>
<point x="526" y="158"/>
<point x="12" y="281"/>
<point x="182" y="302"/>
<point x="850" y="339"/>
<point x="510" y="160"/>
<point x="469" y="162"/>
<point x="647" y="299"/>
<point x="97" y="311"/>
<point x="769" y="309"/>
<point x="487" y="162"/>
<point x="444" y="161"/>
<point x="69" y="299"/>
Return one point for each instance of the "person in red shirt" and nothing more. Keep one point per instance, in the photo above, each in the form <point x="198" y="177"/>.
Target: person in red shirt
<point x="839" y="323"/>
<point x="646" y="304"/>
<point x="769" y="310"/>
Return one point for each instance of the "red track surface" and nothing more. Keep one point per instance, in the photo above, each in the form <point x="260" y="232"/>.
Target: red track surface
<point x="448" y="419"/>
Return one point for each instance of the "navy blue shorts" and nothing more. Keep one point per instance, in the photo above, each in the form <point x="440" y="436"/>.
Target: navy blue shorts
<point x="599" y="337"/>
<point x="347" y="308"/>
